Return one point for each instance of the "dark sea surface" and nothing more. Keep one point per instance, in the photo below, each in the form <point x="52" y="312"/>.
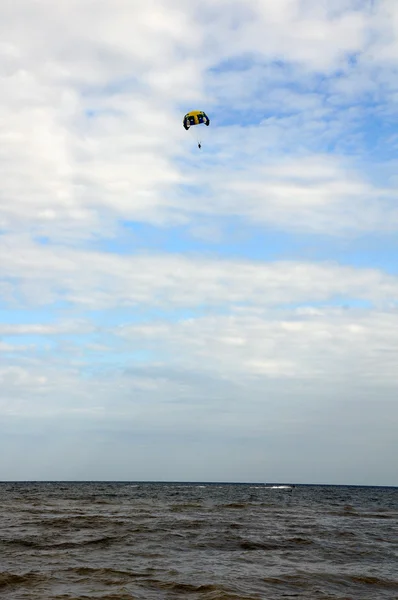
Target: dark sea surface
<point x="124" y="541"/>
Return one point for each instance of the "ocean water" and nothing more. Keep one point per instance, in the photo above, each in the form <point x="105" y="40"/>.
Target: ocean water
<point x="125" y="541"/>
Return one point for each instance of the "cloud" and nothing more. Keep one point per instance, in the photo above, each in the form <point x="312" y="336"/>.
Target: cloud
<point x="42" y="329"/>
<point x="302" y="34"/>
<point x="325" y="345"/>
<point x="47" y="274"/>
<point x="130" y="315"/>
<point x="93" y="119"/>
<point x="306" y="194"/>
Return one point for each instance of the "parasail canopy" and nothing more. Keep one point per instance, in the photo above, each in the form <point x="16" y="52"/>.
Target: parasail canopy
<point x="195" y="117"/>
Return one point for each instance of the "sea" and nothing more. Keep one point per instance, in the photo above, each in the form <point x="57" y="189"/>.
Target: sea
<point x="197" y="541"/>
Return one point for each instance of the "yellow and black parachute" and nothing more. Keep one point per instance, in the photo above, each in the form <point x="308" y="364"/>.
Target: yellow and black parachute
<point x="195" y="117"/>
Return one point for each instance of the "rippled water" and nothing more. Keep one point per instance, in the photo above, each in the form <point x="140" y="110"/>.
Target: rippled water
<point x="197" y="542"/>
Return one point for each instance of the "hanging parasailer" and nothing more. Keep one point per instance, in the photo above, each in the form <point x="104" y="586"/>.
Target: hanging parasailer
<point x="196" y="117"/>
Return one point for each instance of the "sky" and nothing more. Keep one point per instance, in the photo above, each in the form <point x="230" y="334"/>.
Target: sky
<point x="222" y="314"/>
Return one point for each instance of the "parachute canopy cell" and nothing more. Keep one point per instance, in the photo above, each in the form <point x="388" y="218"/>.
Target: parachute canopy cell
<point x="195" y="117"/>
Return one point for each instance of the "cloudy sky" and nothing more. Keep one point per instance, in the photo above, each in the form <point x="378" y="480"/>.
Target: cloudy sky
<point x="170" y="313"/>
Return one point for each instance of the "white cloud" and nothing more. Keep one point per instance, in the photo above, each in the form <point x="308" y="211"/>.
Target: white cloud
<point x="306" y="194"/>
<point x="68" y="175"/>
<point x="66" y="327"/>
<point x="328" y="347"/>
<point x="308" y="37"/>
<point x="92" y="99"/>
<point x="276" y="382"/>
<point x="45" y="274"/>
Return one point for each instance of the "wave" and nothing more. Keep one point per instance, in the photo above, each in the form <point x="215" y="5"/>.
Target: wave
<point x="279" y="487"/>
<point x="9" y="580"/>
